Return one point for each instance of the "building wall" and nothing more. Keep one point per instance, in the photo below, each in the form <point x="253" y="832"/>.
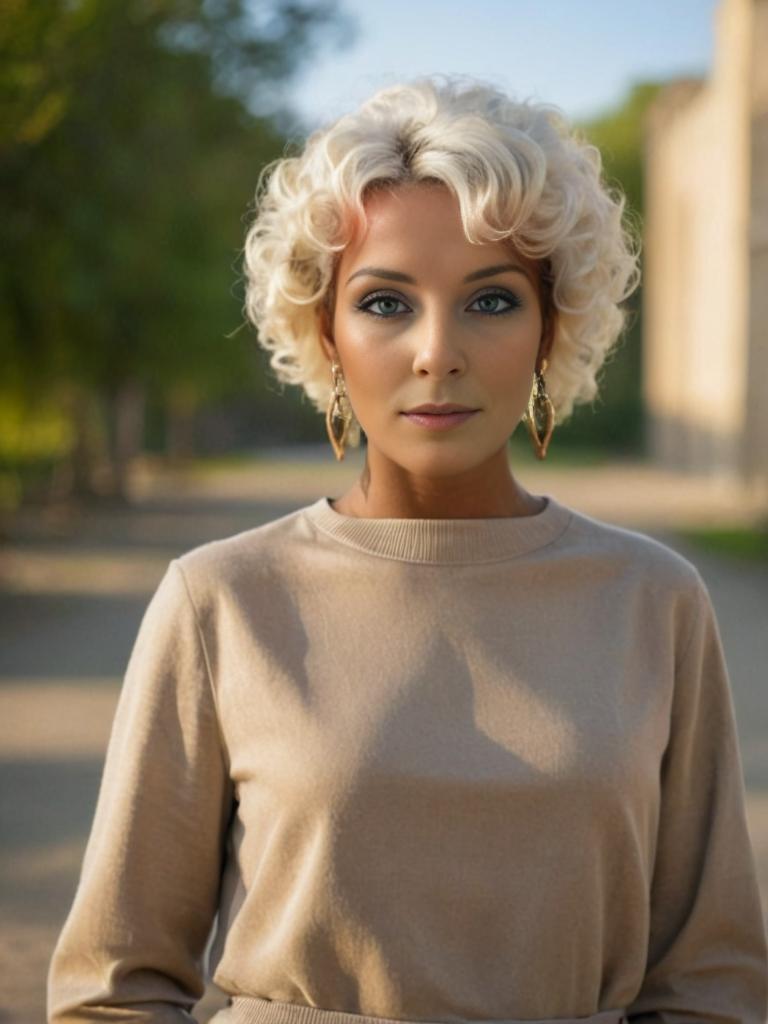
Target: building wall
<point x="705" y="312"/>
<point x="756" y="454"/>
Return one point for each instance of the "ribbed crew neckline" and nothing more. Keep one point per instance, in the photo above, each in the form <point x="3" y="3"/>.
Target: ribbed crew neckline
<point x="443" y="541"/>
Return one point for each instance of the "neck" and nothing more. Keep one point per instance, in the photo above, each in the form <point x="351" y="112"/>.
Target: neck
<point x="387" y="490"/>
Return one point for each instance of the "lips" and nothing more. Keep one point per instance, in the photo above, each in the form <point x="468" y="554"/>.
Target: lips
<point x="440" y="420"/>
<point x="430" y="409"/>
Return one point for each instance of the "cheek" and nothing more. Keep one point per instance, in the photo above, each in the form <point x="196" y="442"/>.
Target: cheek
<point x="369" y="356"/>
<point x="368" y="370"/>
<point x="507" y="357"/>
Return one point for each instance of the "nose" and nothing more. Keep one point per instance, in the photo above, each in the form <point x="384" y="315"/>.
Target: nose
<point x="439" y="349"/>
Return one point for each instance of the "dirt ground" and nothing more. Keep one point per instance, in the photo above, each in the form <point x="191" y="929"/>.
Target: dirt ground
<point x="73" y="587"/>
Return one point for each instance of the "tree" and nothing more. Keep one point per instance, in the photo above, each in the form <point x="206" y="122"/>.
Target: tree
<point x="616" y="419"/>
<point x="135" y="134"/>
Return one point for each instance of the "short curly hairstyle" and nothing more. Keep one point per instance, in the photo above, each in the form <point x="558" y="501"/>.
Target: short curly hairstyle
<point x="520" y="172"/>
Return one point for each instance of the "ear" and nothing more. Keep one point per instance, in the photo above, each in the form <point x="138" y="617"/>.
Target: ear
<point x="325" y="332"/>
<point x="547" y="335"/>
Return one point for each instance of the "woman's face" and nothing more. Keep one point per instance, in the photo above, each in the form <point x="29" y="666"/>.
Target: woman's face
<point x="422" y="315"/>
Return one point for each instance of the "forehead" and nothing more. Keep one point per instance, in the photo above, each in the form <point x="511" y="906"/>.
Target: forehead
<point x="401" y="208"/>
<point x="418" y="221"/>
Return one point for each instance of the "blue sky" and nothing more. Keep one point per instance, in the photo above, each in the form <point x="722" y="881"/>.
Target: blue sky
<point x="580" y="54"/>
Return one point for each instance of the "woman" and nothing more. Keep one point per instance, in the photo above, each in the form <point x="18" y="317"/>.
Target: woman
<point x="437" y="749"/>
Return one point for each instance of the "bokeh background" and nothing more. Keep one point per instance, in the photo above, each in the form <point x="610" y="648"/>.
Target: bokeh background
<point x="139" y="417"/>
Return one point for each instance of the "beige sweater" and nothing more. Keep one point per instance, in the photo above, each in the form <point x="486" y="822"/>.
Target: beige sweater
<point x="468" y="769"/>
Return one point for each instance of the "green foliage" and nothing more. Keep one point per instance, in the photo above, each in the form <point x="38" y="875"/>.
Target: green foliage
<point x="619" y="136"/>
<point x="133" y="135"/>
<point x="742" y="543"/>
<point x="615" y="419"/>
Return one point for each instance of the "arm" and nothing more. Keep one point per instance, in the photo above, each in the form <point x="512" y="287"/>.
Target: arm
<point x="132" y="945"/>
<point x="707" y="958"/>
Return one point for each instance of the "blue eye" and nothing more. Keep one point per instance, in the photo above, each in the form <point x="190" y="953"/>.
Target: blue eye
<point x="380" y="297"/>
<point x="511" y="300"/>
<point x="387" y="304"/>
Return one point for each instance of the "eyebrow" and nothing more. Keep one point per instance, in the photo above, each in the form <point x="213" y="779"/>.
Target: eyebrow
<point x="396" y="275"/>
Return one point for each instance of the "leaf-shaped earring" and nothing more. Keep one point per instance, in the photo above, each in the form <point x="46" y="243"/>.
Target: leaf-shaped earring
<point x="338" y="415"/>
<point x="540" y="415"/>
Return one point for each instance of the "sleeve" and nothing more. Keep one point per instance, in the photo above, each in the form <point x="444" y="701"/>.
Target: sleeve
<point x="133" y="943"/>
<point x="707" y="958"/>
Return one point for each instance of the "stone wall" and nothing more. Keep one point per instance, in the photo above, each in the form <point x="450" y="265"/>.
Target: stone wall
<point x="705" y="350"/>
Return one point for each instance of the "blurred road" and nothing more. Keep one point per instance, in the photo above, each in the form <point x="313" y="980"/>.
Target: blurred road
<point x="72" y="591"/>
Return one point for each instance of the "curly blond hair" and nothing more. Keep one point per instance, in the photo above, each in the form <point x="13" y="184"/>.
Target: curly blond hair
<point x="519" y="171"/>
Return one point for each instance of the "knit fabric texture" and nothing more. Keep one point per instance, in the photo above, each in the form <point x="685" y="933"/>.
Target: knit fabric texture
<point x="423" y="769"/>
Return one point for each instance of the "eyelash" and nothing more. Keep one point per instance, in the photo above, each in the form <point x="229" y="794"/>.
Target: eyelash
<point x="364" y="306"/>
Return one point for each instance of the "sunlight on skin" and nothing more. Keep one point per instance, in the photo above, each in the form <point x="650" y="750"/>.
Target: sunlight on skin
<point x="454" y="332"/>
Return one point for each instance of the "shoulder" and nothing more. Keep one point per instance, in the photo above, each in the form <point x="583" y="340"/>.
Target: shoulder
<point x="243" y="558"/>
<point x="639" y="575"/>
<point x="629" y="552"/>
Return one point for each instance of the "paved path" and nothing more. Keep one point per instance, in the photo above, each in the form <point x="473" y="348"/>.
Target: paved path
<point x="72" y="592"/>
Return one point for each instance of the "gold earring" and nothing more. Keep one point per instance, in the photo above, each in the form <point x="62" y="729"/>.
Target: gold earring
<point x="338" y="416"/>
<point x="540" y="408"/>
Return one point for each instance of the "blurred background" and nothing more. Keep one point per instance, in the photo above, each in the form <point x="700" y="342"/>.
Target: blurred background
<point x="139" y="417"/>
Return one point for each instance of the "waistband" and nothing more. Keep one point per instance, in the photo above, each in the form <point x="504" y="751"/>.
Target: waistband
<point x="256" y="1010"/>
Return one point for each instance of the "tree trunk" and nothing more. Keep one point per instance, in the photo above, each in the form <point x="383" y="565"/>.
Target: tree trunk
<point x="127" y="433"/>
<point x="77" y="475"/>
<point x="180" y="430"/>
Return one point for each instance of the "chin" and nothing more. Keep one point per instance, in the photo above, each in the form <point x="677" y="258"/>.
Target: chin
<point x="440" y="460"/>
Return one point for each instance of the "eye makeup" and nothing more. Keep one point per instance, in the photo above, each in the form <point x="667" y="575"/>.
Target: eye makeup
<point x="366" y="304"/>
<point x="512" y="300"/>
